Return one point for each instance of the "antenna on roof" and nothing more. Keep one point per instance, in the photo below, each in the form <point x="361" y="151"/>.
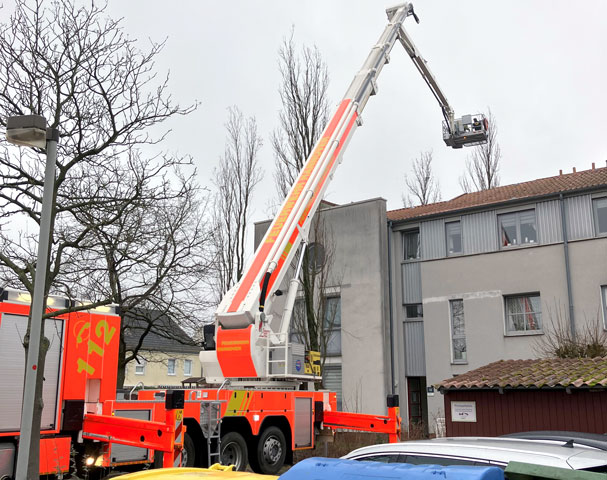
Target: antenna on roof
<point x="568" y="444"/>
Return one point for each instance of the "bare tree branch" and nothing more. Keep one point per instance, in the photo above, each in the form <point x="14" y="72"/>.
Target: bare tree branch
<point x="235" y="180"/>
<point x="482" y="167"/>
<point x="422" y="185"/>
<point x="304" y="114"/>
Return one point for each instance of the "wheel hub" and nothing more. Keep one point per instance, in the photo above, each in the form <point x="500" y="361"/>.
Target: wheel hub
<point x="231" y="455"/>
<point x="272" y="450"/>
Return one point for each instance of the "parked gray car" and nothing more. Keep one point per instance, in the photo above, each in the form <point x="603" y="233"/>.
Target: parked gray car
<point x="486" y="451"/>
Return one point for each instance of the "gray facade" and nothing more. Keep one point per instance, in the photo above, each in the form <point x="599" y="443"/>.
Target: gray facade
<point x="359" y="277"/>
<point x="488" y="272"/>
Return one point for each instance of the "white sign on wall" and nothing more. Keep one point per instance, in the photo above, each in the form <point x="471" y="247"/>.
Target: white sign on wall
<point x="463" y="411"/>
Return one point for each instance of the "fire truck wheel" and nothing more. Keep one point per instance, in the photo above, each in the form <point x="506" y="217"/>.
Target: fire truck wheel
<point x="234" y="451"/>
<point x="271" y="451"/>
<point x="188" y="454"/>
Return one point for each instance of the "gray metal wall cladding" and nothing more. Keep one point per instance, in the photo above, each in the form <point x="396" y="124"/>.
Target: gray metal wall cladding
<point x="548" y="217"/>
<point x="479" y="232"/>
<point x="433" y="239"/>
<point x="415" y="355"/>
<point x="412" y="282"/>
<point x="578" y="212"/>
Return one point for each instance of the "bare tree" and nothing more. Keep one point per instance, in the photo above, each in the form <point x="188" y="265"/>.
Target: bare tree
<point x="304" y="113"/>
<point x="422" y="186"/>
<point x="76" y="67"/>
<point x="559" y="341"/>
<point x="315" y="322"/>
<point x="303" y="117"/>
<point x="482" y="167"/>
<point x="235" y="180"/>
<point x="151" y="261"/>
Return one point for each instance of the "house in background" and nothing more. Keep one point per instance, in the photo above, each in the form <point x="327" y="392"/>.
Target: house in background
<point x="489" y="275"/>
<point x="167" y="357"/>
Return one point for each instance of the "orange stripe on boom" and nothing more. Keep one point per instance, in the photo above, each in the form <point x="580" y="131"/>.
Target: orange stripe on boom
<point x="312" y="200"/>
<point x="261" y="256"/>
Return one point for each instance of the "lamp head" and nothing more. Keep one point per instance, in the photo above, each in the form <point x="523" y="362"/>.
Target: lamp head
<point x="26" y="130"/>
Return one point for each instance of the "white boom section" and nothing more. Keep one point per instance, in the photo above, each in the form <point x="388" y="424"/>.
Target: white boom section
<point x="421" y="65"/>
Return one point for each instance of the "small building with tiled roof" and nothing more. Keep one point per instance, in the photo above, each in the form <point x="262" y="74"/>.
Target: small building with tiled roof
<point x="507" y="396"/>
<point x="488" y="275"/>
<point x="166" y="355"/>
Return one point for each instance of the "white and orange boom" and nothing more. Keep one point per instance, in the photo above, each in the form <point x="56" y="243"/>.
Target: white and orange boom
<point x="244" y="332"/>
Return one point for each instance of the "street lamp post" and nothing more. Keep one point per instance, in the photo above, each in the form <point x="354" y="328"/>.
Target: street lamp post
<point x="31" y="131"/>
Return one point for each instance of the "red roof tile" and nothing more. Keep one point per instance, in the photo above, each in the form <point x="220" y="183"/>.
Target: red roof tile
<point x="535" y="188"/>
<point x="542" y="373"/>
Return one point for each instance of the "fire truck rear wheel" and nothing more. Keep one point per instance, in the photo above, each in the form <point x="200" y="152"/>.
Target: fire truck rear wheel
<point x="271" y="451"/>
<point x="188" y="454"/>
<point x="234" y="451"/>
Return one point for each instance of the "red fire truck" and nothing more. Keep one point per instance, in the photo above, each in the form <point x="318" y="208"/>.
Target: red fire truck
<point x="84" y="422"/>
<point x="252" y="409"/>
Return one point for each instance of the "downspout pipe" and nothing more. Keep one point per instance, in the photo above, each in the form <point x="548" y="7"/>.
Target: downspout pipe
<point x="391" y="316"/>
<point x="567" y="269"/>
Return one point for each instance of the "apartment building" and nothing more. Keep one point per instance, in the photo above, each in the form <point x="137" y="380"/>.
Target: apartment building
<point x="489" y="275"/>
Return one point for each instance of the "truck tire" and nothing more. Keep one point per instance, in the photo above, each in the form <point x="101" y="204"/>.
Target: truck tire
<point x="234" y="451"/>
<point x="188" y="455"/>
<point x="270" y="453"/>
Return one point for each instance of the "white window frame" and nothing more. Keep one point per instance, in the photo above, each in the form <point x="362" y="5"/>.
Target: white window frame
<point x="142" y="363"/>
<point x="333" y="334"/>
<point x="595" y="215"/>
<point x="517" y="216"/>
<point x="419" y="314"/>
<point x="188" y="362"/>
<point x="515" y="333"/>
<point x="336" y="367"/>
<point x="174" y="362"/>
<point x="461" y="238"/>
<point x="459" y="361"/>
<point x="405" y="233"/>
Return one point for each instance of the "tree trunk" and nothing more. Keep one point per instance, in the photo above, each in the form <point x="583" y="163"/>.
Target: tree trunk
<point x="121" y="365"/>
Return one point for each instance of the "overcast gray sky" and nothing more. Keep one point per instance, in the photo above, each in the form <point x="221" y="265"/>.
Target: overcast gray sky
<point x="541" y="66"/>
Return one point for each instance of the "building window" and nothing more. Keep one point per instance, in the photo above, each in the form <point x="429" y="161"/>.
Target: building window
<point x="411" y="245"/>
<point x="414" y="310"/>
<point x="171" y="366"/>
<point x="453" y="231"/>
<point x="458" y="331"/>
<point x="604" y="302"/>
<point x="187" y="368"/>
<point x="140" y="366"/>
<point x="523" y="314"/>
<point x="332" y="326"/>
<point x="298" y="322"/>
<point x="518" y="228"/>
<point x="599" y="207"/>
<point x="330" y="343"/>
<point x="331" y="380"/>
